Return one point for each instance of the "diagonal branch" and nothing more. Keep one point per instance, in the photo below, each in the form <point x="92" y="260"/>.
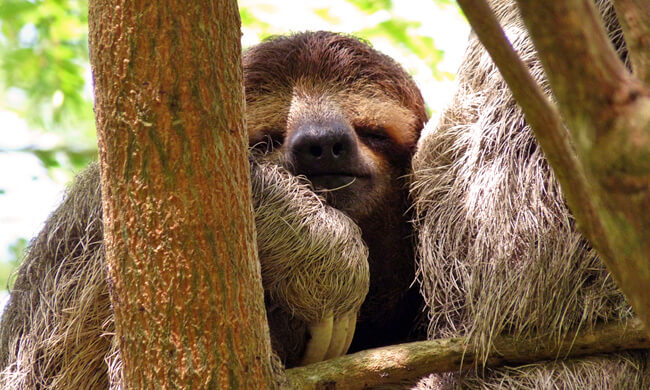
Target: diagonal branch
<point x="607" y="110"/>
<point x="586" y="75"/>
<point x="608" y="113"/>
<point x="634" y="16"/>
<point x="414" y="360"/>
<point x="541" y="114"/>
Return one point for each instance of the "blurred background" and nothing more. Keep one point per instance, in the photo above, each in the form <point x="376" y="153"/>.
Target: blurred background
<point x="47" y="129"/>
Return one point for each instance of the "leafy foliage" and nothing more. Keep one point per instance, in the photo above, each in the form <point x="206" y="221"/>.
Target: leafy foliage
<point x="45" y="54"/>
<point x="16" y="250"/>
<point x="371" y="6"/>
<point x="401" y="33"/>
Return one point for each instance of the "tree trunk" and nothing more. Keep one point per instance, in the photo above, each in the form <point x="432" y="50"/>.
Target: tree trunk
<point x="184" y="277"/>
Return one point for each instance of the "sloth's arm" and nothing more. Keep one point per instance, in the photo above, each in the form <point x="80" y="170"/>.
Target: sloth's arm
<point x="314" y="265"/>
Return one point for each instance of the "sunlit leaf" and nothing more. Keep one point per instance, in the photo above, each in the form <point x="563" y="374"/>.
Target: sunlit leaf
<point x="17" y="251"/>
<point x="371" y="6"/>
<point x="326" y="15"/>
<point x="402" y="34"/>
<point x="248" y="19"/>
<point x="47" y="157"/>
<point x="44" y="50"/>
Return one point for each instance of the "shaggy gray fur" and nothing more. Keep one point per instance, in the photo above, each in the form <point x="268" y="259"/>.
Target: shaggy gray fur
<point x="55" y="330"/>
<point x="498" y="251"/>
<point x="58" y="332"/>
<point x="328" y="270"/>
<point x="313" y="259"/>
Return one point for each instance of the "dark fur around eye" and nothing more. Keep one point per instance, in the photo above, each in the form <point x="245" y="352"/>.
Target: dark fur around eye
<point x="375" y="137"/>
<point x="269" y="142"/>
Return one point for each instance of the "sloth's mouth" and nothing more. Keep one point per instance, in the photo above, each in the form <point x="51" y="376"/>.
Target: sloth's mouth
<point x="335" y="181"/>
<point x="349" y="193"/>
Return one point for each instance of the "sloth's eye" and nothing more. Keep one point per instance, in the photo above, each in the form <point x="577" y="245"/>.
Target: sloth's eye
<point x="373" y="136"/>
<point x="269" y="141"/>
<point x="276" y="139"/>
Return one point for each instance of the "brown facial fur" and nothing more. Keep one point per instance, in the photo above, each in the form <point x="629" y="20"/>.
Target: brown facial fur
<point x="321" y="75"/>
<point x="322" y="78"/>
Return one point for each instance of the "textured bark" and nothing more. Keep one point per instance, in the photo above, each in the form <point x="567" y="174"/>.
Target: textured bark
<point x="607" y="112"/>
<point x="184" y="277"/>
<point x="411" y="361"/>
<point x="634" y="16"/>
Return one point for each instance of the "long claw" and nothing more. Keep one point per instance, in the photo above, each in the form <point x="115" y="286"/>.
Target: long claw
<point x="352" y="321"/>
<point x="339" y="336"/>
<point x="318" y="345"/>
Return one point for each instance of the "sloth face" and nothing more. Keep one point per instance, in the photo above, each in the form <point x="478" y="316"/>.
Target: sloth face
<point x="336" y="112"/>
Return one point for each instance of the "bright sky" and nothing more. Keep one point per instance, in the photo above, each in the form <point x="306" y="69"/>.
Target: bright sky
<point x="31" y="194"/>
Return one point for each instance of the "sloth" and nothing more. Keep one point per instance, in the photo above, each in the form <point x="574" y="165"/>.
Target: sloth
<point x="346" y="118"/>
<point x="332" y="126"/>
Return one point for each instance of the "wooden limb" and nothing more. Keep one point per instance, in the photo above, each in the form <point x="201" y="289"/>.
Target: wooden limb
<point x="179" y="229"/>
<point x="540" y="112"/>
<point x="585" y="72"/>
<point x="414" y="360"/>
<point x="607" y="110"/>
<point x="634" y="16"/>
<point x="608" y="113"/>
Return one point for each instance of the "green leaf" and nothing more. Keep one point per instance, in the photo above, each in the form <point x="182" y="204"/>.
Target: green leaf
<point x="402" y="33"/>
<point x="372" y="6"/>
<point x="248" y="19"/>
<point x="48" y="158"/>
<point x="52" y="60"/>
<point x="17" y="251"/>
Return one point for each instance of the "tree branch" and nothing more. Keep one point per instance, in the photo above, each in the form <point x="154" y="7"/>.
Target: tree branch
<point x="634" y="16"/>
<point x="607" y="111"/>
<point x="585" y="72"/>
<point x="414" y="360"/>
<point x="541" y="114"/>
<point x="179" y="228"/>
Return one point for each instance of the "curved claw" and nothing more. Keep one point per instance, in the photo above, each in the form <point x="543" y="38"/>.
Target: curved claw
<point x="318" y="345"/>
<point x="342" y="331"/>
<point x="352" y="318"/>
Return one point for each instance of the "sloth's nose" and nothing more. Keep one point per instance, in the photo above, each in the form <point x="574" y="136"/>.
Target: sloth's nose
<point x="323" y="148"/>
